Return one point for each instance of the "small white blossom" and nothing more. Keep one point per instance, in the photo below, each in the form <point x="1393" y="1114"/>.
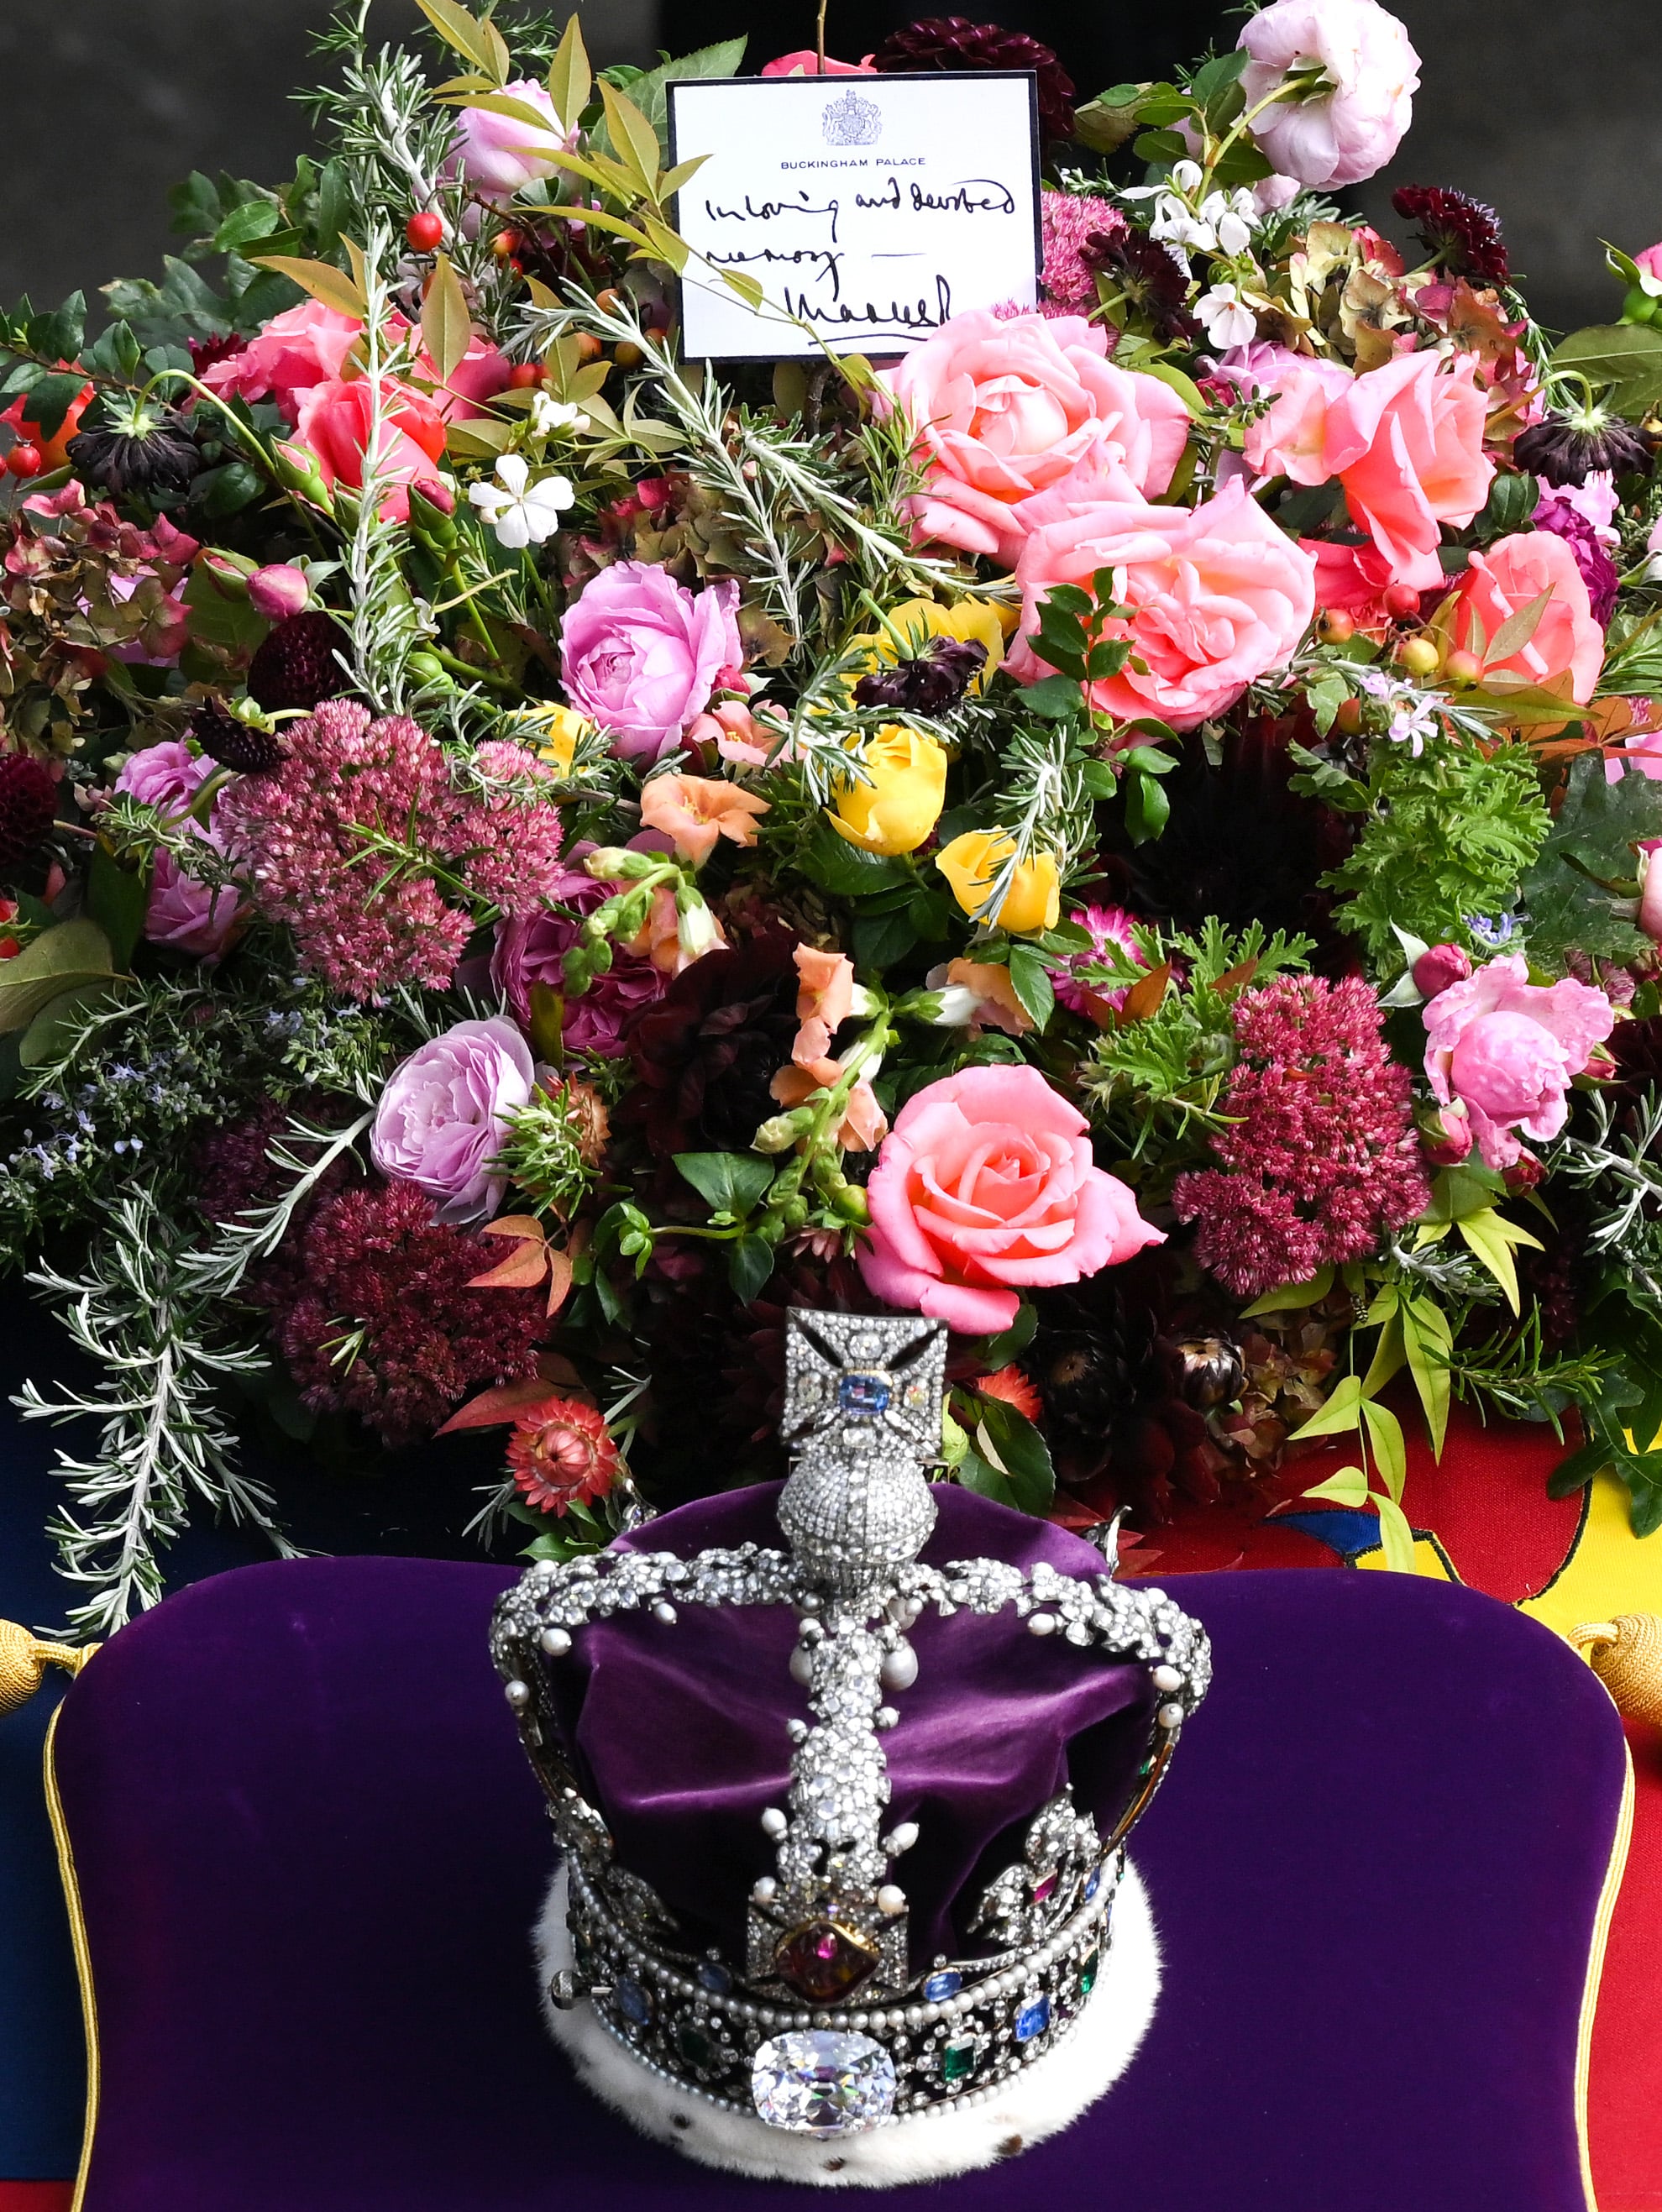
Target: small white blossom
<point x="520" y="512"/>
<point x="549" y="415"/>
<point x="1226" y="321"/>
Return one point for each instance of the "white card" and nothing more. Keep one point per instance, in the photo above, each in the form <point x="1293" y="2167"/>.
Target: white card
<point x="873" y="208"/>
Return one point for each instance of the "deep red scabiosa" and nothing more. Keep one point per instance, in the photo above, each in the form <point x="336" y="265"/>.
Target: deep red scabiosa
<point x="1320" y="1155"/>
<point x="364" y="918"/>
<point x="1462" y="235"/>
<point x="1145" y="276"/>
<point x="380" y="1320"/>
<point x="952" y="42"/>
<point x="29" y="803"/>
<point x="296" y="665"/>
<point x="561" y="1455"/>
<point x="1567" y="449"/>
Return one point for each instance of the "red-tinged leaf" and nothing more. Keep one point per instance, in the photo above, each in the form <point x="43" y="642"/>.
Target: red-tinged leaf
<point x="555" y="1367"/>
<point x="1237" y="977"/>
<point x="515" y="1225"/>
<point x="560" y="1272"/>
<point x="1143" y="999"/>
<point x="522" y="1270"/>
<point x="506" y="1402"/>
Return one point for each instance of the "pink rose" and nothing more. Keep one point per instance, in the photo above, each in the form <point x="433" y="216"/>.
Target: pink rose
<point x="278" y="590"/>
<point x="497" y="155"/>
<point x="1350" y="131"/>
<point x="984" y="1187"/>
<point x="302" y="346"/>
<point x="1406" y="440"/>
<point x="181" y="911"/>
<point x="1502" y="582"/>
<point x="480" y="375"/>
<point x="640" y="654"/>
<point x="167" y="776"/>
<point x="1005" y="409"/>
<point x="1650" y="261"/>
<point x="1439" y="967"/>
<point x="1291" y="440"/>
<point x="1218" y="596"/>
<point x="804" y="61"/>
<point x="334" y="428"/>
<point x="1649" y="916"/>
<point x="530" y="948"/>
<point x="1640" y="752"/>
<point x="443" y="1116"/>
<point x="1506" y="1050"/>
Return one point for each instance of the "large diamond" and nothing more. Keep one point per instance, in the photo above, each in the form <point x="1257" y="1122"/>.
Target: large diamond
<point x="825" y="1962"/>
<point x="820" y="2084"/>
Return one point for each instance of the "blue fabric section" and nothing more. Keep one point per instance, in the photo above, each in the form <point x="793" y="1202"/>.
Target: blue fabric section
<point x="1346" y="1533"/>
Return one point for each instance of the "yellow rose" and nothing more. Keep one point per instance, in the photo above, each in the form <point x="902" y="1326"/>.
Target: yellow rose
<point x="972" y="864"/>
<point x="897" y="809"/>
<point x="915" y="621"/>
<point x="561" y="729"/>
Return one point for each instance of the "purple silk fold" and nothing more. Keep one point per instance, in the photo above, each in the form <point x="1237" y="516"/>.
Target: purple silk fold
<point x="997" y="1723"/>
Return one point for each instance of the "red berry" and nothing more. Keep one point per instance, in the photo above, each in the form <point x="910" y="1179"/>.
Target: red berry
<point x="1402" y="599"/>
<point x="24" y="459"/>
<point x="425" y="231"/>
<point x="523" y="375"/>
<point x="504" y="243"/>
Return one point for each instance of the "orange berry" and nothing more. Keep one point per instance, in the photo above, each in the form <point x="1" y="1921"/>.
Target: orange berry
<point x="628" y="355"/>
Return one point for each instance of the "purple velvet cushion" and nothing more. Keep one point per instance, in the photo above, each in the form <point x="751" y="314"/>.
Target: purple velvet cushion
<point x="994" y="1727"/>
<point x="310" y="1854"/>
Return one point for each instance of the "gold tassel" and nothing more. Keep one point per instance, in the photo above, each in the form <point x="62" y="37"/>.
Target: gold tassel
<point x="1626" y="1655"/>
<point x="24" y="1660"/>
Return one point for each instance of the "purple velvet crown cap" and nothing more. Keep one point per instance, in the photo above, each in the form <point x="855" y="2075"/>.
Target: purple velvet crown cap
<point x="678" y="1736"/>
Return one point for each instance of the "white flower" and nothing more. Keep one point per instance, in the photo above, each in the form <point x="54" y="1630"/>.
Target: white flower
<point x="1226" y="322"/>
<point x="696" y="931"/>
<point x="520" y="512"/>
<point x="549" y="415"/>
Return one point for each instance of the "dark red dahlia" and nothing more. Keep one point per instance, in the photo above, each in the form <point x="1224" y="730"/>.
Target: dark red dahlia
<point x="236" y="743"/>
<point x="952" y="42"/>
<point x="296" y="665"/>
<point x="1146" y="278"/>
<point x="1462" y="235"/>
<point x="29" y="805"/>
<point x="207" y="353"/>
<point x="706" y="1053"/>
<point x="381" y="1322"/>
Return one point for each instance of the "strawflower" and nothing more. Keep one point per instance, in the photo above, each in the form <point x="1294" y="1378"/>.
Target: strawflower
<point x="561" y="1455"/>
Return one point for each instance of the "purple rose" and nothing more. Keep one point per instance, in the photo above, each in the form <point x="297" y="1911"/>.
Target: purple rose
<point x="443" y="1116"/>
<point x="500" y="155"/>
<point x="640" y="654"/>
<point x="167" y="776"/>
<point x="532" y="949"/>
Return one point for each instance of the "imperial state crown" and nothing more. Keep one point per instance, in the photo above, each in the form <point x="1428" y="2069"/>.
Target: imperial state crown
<point x="842" y="1828"/>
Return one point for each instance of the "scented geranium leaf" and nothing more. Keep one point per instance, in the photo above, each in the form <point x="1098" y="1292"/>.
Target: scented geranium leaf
<point x="1591" y="845"/>
<point x="1626" y="356"/>
<point x="67" y="957"/>
<point x="728" y="1182"/>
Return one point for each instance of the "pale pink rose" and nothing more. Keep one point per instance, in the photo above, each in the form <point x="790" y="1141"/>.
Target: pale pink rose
<point x="498" y="155"/>
<point x="1507" y="1050"/>
<point x="1642" y="752"/>
<point x="1406" y="440"/>
<point x="1650" y="261"/>
<point x="279" y="589"/>
<point x="1649" y="916"/>
<point x="442" y="1119"/>
<point x="804" y="61"/>
<point x="1509" y="577"/>
<point x="640" y="654"/>
<point x="302" y="346"/>
<point x="985" y="1188"/>
<point x="1291" y="438"/>
<point x="1218" y="596"/>
<point x="334" y="428"/>
<point x="1006" y="408"/>
<point x="1347" y="133"/>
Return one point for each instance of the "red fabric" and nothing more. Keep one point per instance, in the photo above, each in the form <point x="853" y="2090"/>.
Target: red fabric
<point x="36" y="2196"/>
<point x="1624" y="2118"/>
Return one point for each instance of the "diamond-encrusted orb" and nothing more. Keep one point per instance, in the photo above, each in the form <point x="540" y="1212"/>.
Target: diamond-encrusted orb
<point x="818" y="2083"/>
<point x="824" y="1962"/>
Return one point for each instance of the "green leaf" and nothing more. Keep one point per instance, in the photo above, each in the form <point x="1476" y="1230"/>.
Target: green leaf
<point x="320" y="278"/>
<point x="1388" y="1356"/>
<point x="1427" y="1343"/>
<point x="446" y="327"/>
<point x="1590" y="843"/>
<point x="117" y="895"/>
<point x="650" y="93"/>
<point x="634" y="140"/>
<point x="1106" y="123"/>
<point x="750" y="1262"/>
<point x="215" y="618"/>
<point x="1627" y="356"/>
<point x="67" y="957"/>
<point x="881" y="939"/>
<point x="1395" y="1537"/>
<point x="728" y="1182"/>
<point x="1289" y="1296"/>
<point x="844" y="869"/>
<point x="50" y="400"/>
<point x="1006" y="1441"/>
<point x="58" y="1023"/>
<point x="1385" y="1433"/>
<point x="999" y="1350"/>
<point x="1029" y="980"/>
<point x="1342" y="1411"/>
<point x="570" y="79"/>
<point x="334" y="203"/>
<point x="60" y="335"/>
<point x="1053" y="699"/>
<point x="1147" y="809"/>
<point x="1348" y="1487"/>
<point x="463" y="33"/>
<point x="1486" y="1236"/>
<point x="253" y="219"/>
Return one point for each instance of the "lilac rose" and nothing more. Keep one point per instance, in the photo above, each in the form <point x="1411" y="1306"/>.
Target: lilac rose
<point x="500" y="155"/>
<point x="443" y="1116"/>
<point x="532" y="949"/>
<point x="640" y="654"/>
<point x="167" y="776"/>
<point x="183" y="912"/>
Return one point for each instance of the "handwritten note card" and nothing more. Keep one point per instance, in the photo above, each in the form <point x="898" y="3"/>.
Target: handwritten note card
<point x="869" y="208"/>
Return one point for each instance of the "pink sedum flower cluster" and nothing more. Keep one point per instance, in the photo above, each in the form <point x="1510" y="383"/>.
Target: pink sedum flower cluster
<point x="368" y="914"/>
<point x="985" y="1188"/>
<point x="1320" y="1156"/>
<point x="1503" y="1052"/>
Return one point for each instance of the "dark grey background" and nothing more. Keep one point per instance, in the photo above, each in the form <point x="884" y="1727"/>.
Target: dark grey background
<point x="1550" y="112"/>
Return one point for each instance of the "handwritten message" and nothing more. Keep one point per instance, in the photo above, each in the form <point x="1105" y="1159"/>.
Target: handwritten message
<point x="870" y="210"/>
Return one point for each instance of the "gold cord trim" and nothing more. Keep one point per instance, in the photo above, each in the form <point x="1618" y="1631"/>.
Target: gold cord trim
<point x="1601" y="1930"/>
<point x="82" y="1956"/>
<point x="1626" y="1655"/>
